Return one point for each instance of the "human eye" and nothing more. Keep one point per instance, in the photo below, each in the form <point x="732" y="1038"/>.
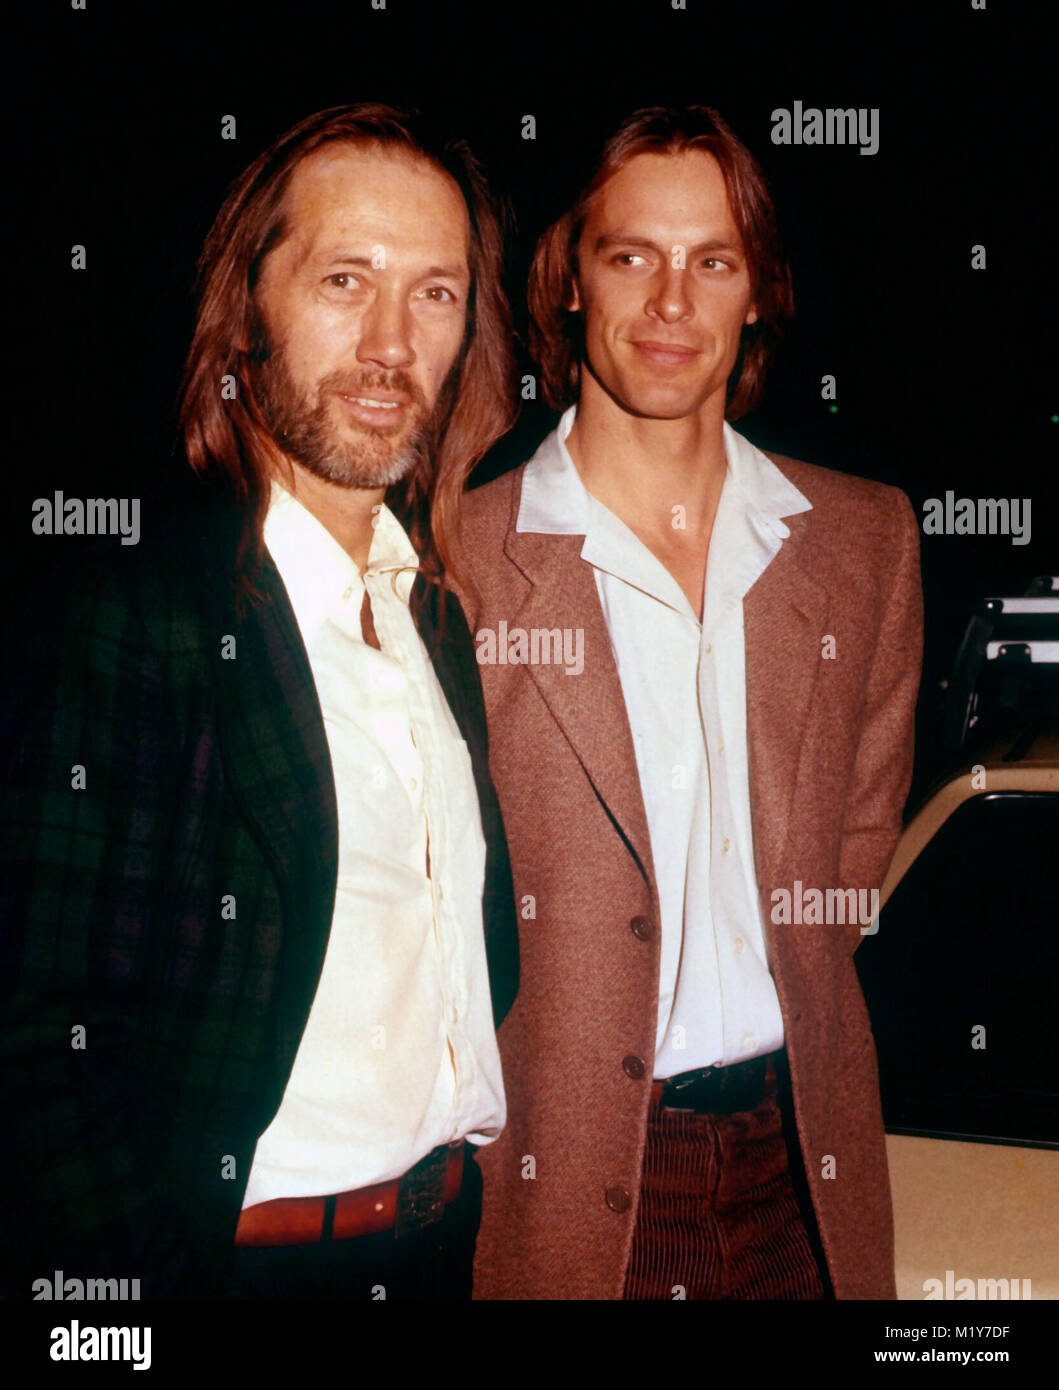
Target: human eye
<point x="630" y="259"/>
<point x="437" y="294"/>
<point x="343" y="280"/>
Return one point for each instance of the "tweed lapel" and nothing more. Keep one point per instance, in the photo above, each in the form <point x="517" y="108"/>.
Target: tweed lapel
<point x="785" y="617"/>
<point x="588" y="707"/>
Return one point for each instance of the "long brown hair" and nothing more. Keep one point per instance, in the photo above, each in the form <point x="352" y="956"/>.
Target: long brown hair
<point x="224" y="439"/>
<point x="556" y="333"/>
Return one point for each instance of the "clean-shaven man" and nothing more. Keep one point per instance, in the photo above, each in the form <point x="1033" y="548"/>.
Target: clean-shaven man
<point x="691" y="1077"/>
<point x="256" y="890"/>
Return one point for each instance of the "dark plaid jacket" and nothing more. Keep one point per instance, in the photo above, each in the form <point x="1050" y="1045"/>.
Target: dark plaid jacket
<point x="205" y="779"/>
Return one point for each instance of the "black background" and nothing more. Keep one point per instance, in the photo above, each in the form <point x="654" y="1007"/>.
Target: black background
<point x="944" y="373"/>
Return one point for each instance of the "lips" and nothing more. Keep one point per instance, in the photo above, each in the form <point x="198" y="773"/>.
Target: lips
<point x="665" y="354"/>
<point x="377" y="409"/>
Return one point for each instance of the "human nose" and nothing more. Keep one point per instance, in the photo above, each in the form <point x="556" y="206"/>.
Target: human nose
<point x="670" y="300"/>
<point x="385" y="333"/>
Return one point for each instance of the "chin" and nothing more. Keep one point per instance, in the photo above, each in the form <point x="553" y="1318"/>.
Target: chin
<point x="363" y="467"/>
<point x="661" y="405"/>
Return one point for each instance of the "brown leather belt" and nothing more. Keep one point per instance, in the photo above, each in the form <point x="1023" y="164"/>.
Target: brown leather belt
<point x="717" y="1090"/>
<point x="417" y="1198"/>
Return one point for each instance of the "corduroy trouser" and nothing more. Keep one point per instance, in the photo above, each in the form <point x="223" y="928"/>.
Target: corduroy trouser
<point x="724" y="1209"/>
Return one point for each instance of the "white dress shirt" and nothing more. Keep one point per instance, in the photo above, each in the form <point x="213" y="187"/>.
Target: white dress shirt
<point x="399" y="1053"/>
<point x="684" y="684"/>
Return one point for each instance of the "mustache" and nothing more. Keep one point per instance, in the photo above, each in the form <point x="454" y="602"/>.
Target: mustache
<point x="374" y="379"/>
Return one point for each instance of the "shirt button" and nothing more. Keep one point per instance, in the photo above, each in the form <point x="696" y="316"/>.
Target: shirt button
<point x="720" y="746"/>
<point x="618" y="1199"/>
<point x="749" y="1042"/>
<point x="708" y="648"/>
<point x="737" y="945"/>
<point x="642" y="928"/>
<point x="726" y="844"/>
<point x="633" y="1067"/>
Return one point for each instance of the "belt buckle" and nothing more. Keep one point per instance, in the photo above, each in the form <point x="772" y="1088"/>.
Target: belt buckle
<point x="676" y="1084"/>
<point x="421" y="1192"/>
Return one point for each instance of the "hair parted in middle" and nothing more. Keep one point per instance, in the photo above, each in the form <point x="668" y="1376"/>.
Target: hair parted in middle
<point x="223" y="439"/>
<point x="557" y="333"/>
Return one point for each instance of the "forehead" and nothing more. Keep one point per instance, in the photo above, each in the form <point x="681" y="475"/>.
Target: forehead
<point x="351" y="197"/>
<point x="665" y="192"/>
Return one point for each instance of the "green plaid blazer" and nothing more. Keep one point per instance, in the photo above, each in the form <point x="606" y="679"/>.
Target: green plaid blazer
<point x="147" y="1029"/>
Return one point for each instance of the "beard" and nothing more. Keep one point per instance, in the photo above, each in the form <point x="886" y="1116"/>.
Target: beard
<point x="305" y="428"/>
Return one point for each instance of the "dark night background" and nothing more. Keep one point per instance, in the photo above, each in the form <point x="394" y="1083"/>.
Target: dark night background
<point x="944" y="373"/>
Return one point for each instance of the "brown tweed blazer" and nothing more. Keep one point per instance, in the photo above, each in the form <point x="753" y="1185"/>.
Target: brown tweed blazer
<point x="830" y="759"/>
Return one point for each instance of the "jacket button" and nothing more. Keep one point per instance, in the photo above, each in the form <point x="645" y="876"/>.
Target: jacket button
<point x="641" y="927"/>
<point x="618" y="1199"/>
<point x="634" y="1067"/>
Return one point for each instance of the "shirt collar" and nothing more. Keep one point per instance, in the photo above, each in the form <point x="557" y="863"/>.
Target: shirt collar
<point x="554" y="499"/>
<point x="317" y="572"/>
<point x="748" y="529"/>
<point x="556" y="502"/>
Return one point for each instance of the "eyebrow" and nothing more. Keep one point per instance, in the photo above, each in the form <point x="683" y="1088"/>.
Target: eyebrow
<point x="441" y="272"/>
<point x="616" y="239"/>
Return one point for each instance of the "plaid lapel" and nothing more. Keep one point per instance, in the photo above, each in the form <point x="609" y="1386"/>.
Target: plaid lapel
<point x="278" y="767"/>
<point x="272" y="735"/>
<point x="444" y="655"/>
<point x="456" y="667"/>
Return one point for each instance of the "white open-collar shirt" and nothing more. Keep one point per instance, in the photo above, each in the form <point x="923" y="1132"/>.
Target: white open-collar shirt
<point x="399" y="1052"/>
<point x="684" y="685"/>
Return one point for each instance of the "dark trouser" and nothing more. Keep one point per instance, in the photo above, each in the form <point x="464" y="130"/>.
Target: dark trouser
<point x="724" y="1208"/>
<point x="432" y="1261"/>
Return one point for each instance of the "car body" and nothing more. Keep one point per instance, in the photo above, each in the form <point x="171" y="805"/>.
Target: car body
<point x="961" y="981"/>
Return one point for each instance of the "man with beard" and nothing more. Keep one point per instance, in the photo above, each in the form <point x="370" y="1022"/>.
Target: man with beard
<point x="254" y="952"/>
